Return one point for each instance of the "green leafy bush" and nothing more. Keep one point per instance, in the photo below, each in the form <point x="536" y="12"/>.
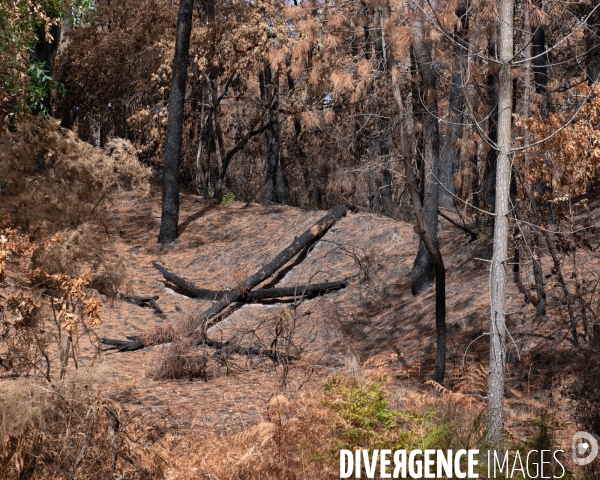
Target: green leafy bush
<point x="40" y="85"/>
<point x="369" y="421"/>
<point x="228" y="198"/>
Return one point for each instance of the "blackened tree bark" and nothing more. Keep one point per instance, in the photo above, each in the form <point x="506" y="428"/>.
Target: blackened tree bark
<point x="380" y="177"/>
<point x="274" y="191"/>
<point x="555" y="259"/>
<point x="385" y="182"/>
<point x="43" y="53"/>
<point x="206" y="139"/>
<point x="300" y="290"/>
<point x="440" y="274"/>
<point x="170" y="194"/>
<point x="210" y="317"/>
<point x="592" y="43"/>
<point x="540" y="65"/>
<point x="489" y="178"/>
<point x="406" y="134"/>
<point x="297" y="146"/>
<point x="450" y="149"/>
<point x="538" y="276"/>
<point x="423" y="268"/>
<point x="314" y="188"/>
<point x="538" y="273"/>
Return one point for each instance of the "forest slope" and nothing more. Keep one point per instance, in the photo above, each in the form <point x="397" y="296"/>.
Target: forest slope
<point x="375" y="316"/>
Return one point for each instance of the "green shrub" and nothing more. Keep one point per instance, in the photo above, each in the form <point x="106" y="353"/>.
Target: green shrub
<point x="369" y="422"/>
<point x="543" y="437"/>
<point x="227" y="198"/>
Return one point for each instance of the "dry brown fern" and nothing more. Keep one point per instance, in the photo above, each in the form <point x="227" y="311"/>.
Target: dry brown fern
<point x="458" y="397"/>
<point x="471" y="380"/>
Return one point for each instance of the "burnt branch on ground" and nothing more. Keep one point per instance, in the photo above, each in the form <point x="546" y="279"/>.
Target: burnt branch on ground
<point x="189" y="289"/>
<point x="143" y="301"/>
<point x="211" y="316"/>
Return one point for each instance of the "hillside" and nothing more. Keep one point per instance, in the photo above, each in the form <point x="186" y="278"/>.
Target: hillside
<point x="370" y="345"/>
<point x="373" y="327"/>
<point x="275" y="240"/>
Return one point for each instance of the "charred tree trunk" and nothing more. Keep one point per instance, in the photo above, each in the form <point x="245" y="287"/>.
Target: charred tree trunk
<point x="540" y="67"/>
<point x="528" y="70"/>
<point x="274" y="191"/>
<point x="430" y="244"/>
<point x="538" y="276"/>
<point x="297" y="125"/>
<point x="380" y="178"/>
<point x="300" y="290"/>
<point x="314" y="189"/>
<point x="384" y="150"/>
<point x="43" y="53"/>
<point x="489" y="180"/>
<point x="592" y="43"/>
<point x="556" y="261"/>
<point x="440" y="274"/>
<point x="406" y="138"/>
<point x="170" y="193"/>
<point x="423" y="268"/>
<point x="450" y="150"/>
<point x="202" y="137"/>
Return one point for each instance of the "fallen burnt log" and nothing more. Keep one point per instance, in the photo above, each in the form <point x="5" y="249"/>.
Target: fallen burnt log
<point x="143" y="301"/>
<point x="241" y="291"/>
<point x="255" y="351"/>
<point x="189" y="289"/>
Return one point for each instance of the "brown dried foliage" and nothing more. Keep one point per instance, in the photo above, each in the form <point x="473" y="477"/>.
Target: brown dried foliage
<point x="71" y="429"/>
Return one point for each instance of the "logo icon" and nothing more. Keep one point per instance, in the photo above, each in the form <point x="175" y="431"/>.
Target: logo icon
<point x="584" y="444"/>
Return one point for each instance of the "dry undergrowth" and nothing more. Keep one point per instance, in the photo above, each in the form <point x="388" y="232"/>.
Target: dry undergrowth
<point x="55" y="187"/>
<point x="60" y="182"/>
<point x="276" y="338"/>
<point x="301" y="438"/>
<point x="56" y="421"/>
<point x="71" y="429"/>
<point x="181" y="358"/>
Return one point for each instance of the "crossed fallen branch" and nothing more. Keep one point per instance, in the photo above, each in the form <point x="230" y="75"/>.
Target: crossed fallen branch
<point x="243" y="291"/>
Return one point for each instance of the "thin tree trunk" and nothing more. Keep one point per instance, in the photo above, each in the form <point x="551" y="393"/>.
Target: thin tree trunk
<point x="495" y="397"/>
<point x="423" y="268"/>
<point x="381" y="54"/>
<point x="201" y="179"/>
<point x="556" y="262"/>
<point x="274" y="191"/>
<point x="309" y="176"/>
<point x="491" y="159"/>
<point x="540" y="69"/>
<point x="430" y="244"/>
<point x="592" y="43"/>
<point x="538" y="274"/>
<point x="450" y="150"/>
<point x="380" y="178"/>
<point x="170" y="194"/>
